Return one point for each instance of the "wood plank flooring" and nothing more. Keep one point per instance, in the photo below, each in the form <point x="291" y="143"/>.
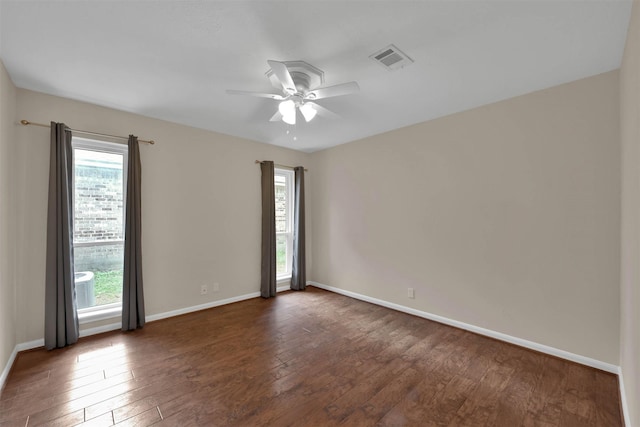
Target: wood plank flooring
<point x="310" y="358"/>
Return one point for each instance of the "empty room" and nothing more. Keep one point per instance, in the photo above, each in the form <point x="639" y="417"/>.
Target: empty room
<point x="319" y="213"/>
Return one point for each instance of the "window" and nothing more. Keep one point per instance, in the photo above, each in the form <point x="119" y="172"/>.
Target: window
<point x="99" y="183"/>
<point x="283" y="182"/>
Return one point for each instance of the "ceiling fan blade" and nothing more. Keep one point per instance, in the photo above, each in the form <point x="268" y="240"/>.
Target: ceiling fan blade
<point x="282" y="73"/>
<point x="258" y="94"/>
<point x="330" y="91"/>
<point x="323" y="112"/>
<point x="276" y="117"/>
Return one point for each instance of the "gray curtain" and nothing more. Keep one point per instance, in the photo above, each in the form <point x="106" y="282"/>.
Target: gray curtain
<point x="299" y="265"/>
<point x="268" y="276"/>
<point x="60" y="316"/>
<point x="132" y="294"/>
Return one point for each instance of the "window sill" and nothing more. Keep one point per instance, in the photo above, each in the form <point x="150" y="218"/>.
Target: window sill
<point x="280" y="280"/>
<point x="95" y="315"/>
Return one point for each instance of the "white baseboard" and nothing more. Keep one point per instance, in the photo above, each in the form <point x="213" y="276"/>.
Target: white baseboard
<point x="199" y="307"/>
<point x="30" y="345"/>
<point x="7" y="368"/>
<point x="100" y="329"/>
<point x="623" y="399"/>
<point x="440" y="319"/>
<point x="211" y="304"/>
<point x="115" y="326"/>
<point x="583" y="360"/>
<point x="18" y="348"/>
<point x="283" y="288"/>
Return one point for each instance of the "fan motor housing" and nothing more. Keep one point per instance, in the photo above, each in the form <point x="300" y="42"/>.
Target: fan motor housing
<point x="305" y="76"/>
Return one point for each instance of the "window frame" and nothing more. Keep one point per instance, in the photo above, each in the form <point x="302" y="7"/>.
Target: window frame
<point x="104" y="311"/>
<point x="290" y="213"/>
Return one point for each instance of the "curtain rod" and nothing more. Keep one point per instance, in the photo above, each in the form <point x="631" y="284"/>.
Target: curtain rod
<point x="283" y="166"/>
<point x="27" y="122"/>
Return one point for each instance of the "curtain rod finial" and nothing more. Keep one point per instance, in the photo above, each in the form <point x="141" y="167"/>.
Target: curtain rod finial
<point x="24" y="122"/>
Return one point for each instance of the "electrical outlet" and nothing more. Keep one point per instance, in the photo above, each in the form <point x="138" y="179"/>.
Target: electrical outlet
<point x="411" y="293"/>
<point x="204" y="289"/>
<point x="216" y="287"/>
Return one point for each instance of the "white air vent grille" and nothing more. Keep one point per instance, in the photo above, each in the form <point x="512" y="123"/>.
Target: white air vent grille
<point x="391" y="58"/>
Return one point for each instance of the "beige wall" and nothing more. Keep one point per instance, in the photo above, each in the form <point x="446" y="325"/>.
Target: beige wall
<point x="7" y="217"/>
<point x="504" y="217"/>
<point x="630" y="272"/>
<point x="200" y="199"/>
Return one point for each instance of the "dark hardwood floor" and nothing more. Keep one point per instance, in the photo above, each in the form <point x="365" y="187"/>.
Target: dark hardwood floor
<point x="309" y="358"/>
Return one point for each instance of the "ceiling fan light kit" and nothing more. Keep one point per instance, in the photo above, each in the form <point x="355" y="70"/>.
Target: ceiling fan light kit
<point x="308" y="111"/>
<point x="288" y="111"/>
<point x="301" y="85"/>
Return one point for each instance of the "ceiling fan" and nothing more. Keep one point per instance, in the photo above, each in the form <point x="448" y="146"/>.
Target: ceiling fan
<point x="301" y="86"/>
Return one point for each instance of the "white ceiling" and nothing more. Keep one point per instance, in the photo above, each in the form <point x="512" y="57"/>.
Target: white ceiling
<point x="173" y="60"/>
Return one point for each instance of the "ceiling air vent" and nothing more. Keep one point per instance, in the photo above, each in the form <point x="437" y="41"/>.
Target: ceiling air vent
<point x="391" y="58"/>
